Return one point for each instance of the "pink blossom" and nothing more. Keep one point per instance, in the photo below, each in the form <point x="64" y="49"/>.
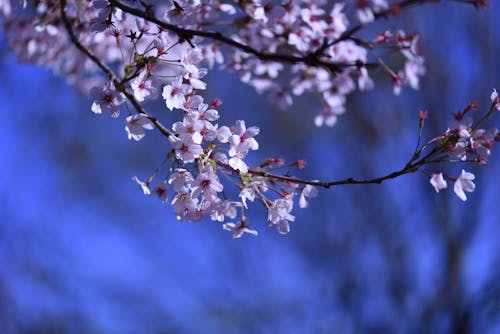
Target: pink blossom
<point x="220" y="209"/>
<point x="460" y="125"/>
<point x="257" y="185"/>
<point x="106" y="98"/>
<point x="186" y="149"/>
<point x="174" y="94"/>
<point x="207" y="184"/>
<point x="189" y="128"/>
<point x="5" y="7"/>
<point x="482" y="142"/>
<point x="142" y="87"/>
<point x="184" y="205"/>
<point x="366" y="9"/>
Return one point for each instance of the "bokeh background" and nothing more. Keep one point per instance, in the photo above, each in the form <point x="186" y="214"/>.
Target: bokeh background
<point x="83" y="251"/>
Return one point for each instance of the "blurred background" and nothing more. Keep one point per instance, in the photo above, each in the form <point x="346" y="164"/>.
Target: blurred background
<point x="82" y="250"/>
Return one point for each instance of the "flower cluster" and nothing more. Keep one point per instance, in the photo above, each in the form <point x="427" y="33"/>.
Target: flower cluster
<point x="465" y="141"/>
<point x="205" y="151"/>
<point x="319" y="30"/>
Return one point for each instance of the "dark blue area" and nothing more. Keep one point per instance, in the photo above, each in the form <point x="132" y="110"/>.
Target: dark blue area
<point x="83" y="251"/>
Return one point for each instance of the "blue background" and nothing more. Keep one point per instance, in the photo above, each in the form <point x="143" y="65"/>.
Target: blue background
<point x="82" y="250"/>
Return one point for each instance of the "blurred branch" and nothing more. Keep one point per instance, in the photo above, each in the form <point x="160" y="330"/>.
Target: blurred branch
<point x="311" y="59"/>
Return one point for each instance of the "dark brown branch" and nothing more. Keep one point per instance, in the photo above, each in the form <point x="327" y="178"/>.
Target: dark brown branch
<point x="311" y="59"/>
<point x="411" y="168"/>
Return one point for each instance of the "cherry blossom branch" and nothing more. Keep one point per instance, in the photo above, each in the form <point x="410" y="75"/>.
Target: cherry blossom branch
<point x="109" y="72"/>
<point x="392" y="10"/>
<point x="407" y="169"/>
<point x="195" y="180"/>
<point x="311" y="59"/>
<point x="412" y="166"/>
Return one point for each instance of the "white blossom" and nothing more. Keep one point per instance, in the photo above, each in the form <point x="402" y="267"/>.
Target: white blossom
<point x="180" y="180"/>
<point x="279" y="214"/>
<point x="307" y="191"/>
<point x="464" y="183"/>
<point x="438" y="182"/>
<point x="186" y="149"/>
<point x="239" y="228"/>
<point x="135" y="126"/>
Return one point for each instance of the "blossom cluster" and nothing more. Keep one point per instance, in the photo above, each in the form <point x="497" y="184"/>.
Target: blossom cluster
<point x="285" y="48"/>
<point x="314" y="52"/>
<point x="466" y="141"/>
<point x="320" y="31"/>
<point x="204" y="151"/>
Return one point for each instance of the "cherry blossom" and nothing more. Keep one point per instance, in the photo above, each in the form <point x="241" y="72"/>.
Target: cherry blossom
<point x="366" y="9"/>
<point x="220" y="209"/>
<point x="438" y="182"/>
<point x="238" y="229"/>
<point x="5" y="7"/>
<point x="175" y="94"/>
<point x="135" y="126"/>
<point x="257" y="185"/>
<point x="307" y="191"/>
<point x="186" y="149"/>
<point x="464" y="183"/>
<point x="279" y="214"/>
<point x="106" y="98"/>
<point x="142" y="87"/>
<point x="180" y="179"/>
<point x="207" y="184"/>
<point x="185" y="206"/>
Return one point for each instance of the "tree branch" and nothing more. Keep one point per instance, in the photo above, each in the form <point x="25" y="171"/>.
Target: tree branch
<point x="311" y="59"/>
<point x="411" y="167"/>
